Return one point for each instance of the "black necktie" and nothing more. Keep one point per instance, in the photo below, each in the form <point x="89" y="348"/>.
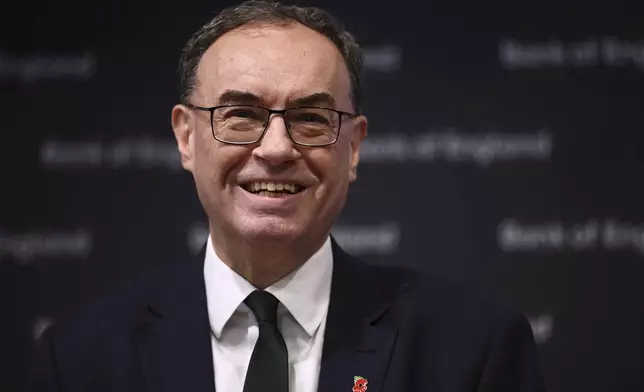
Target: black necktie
<point x="268" y="367"/>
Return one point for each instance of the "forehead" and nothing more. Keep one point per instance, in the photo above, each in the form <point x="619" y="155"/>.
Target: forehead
<point x="276" y="63"/>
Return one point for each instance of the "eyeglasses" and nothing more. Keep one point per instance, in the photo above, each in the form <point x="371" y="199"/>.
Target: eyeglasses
<point x="246" y="124"/>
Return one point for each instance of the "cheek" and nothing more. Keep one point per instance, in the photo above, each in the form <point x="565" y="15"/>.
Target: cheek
<point x="217" y="164"/>
<point x="332" y="168"/>
<point x="210" y="166"/>
<point x="205" y="159"/>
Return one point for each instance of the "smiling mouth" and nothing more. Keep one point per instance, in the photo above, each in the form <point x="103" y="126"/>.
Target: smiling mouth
<point x="272" y="189"/>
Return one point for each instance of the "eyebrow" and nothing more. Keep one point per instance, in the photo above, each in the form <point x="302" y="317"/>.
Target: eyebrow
<point x="247" y="98"/>
<point x="238" y="96"/>
<point x="315" y="99"/>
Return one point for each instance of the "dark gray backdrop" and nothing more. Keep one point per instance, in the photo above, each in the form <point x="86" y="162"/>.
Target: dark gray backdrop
<point x="505" y="151"/>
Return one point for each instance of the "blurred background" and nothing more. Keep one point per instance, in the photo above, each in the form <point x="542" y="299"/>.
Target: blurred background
<point x="506" y="151"/>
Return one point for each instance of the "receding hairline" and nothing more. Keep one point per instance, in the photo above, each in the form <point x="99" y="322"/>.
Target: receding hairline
<point x="254" y="13"/>
<point x="259" y="25"/>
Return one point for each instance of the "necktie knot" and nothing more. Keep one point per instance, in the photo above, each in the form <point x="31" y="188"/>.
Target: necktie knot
<point x="264" y="305"/>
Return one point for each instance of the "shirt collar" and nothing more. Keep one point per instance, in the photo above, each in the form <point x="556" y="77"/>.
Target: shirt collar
<point x="304" y="292"/>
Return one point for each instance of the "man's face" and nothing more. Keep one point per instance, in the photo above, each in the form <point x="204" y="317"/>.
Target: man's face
<point x="273" y="67"/>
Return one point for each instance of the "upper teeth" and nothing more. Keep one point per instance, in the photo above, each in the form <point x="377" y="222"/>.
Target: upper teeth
<point x="272" y="186"/>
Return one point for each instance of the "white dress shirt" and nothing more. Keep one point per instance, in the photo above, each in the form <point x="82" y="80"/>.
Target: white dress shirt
<point x="301" y="316"/>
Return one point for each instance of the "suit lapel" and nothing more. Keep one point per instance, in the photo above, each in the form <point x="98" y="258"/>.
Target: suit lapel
<point x="357" y="342"/>
<point x="173" y="333"/>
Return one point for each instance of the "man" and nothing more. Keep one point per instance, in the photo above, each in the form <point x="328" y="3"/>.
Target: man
<point x="270" y="128"/>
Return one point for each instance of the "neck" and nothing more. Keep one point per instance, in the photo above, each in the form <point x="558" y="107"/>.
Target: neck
<point x="264" y="262"/>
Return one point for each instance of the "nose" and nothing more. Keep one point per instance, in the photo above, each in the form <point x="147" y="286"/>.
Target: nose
<point x="276" y="146"/>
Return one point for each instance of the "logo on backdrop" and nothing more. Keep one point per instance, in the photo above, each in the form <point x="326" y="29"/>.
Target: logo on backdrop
<point x="196" y="237"/>
<point x="542" y="327"/>
<point x="37" y="67"/>
<point x="378" y="239"/>
<point x="385" y="58"/>
<point x="40" y="326"/>
<point x="24" y="248"/>
<point x="135" y="152"/>
<point x="447" y="145"/>
<point x="453" y="145"/>
<point x="357" y="240"/>
<point x="607" y="51"/>
<point x="555" y="236"/>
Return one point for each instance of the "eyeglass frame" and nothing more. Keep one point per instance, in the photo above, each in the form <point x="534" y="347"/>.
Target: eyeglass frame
<point x="282" y="112"/>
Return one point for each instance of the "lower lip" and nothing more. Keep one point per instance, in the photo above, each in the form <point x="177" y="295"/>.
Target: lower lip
<point x="284" y="201"/>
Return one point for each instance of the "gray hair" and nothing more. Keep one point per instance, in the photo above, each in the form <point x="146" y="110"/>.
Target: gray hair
<point x="274" y="13"/>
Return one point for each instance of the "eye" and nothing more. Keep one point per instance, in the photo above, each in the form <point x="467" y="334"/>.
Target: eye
<point x="314" y="116"/>
<point x="239" y="113"/>
<point x="242" y="113"/>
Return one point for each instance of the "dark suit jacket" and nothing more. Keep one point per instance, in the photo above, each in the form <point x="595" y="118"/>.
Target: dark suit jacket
<point x="399" y="329"/>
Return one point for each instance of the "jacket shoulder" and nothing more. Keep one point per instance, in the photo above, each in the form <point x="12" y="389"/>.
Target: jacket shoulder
<point x="430" y="299"/>
<point x="113" y="313"/>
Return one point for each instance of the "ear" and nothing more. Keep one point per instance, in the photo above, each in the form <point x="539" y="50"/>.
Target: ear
<point x="359" y="132"/>
<point x="183" y="132"/>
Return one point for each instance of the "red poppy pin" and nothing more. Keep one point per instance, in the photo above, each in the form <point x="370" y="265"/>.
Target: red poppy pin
<point x="360" y="384"/>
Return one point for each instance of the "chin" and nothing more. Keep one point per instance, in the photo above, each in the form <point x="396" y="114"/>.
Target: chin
<point x="269" y="229"/>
